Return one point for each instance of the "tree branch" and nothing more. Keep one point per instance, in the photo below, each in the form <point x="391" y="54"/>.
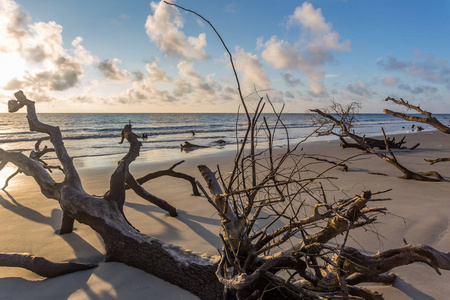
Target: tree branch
<point x="40" y="265"/>
<point x="170" y="172"/>
<point x="71" y="173"/>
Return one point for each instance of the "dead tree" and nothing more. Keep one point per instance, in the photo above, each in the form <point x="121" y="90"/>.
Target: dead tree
<point x="276" y="223"/>
<point x="258" y="256"/>
<point x="264" y="207"/>
<point x="428" y="119"/>
<point x="123" y="243"/>
<point x="338" y="122"/>
<point x="341" y="125"/>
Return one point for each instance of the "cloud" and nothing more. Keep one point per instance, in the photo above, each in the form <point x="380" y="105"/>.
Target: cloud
<point x="83" y="55"/>
<point x="189" y="88"/>
<point x="110" y="70"/>
<point x="359" y="88"/>
<point x="253" y="74"/>
<point x="291" y="80"/>
<point x="66" y="74"/>
<point x="50" y="67"/>
<point x="311" y="51"/>
<point x="192" y="81"/>
<point x="13" y="84"/>
<point x="289" y="95"/>
<point x="156" y="73"/>
<point x="392" y="64"/>
<point x="12" y="26"/>
<point x="163" y="28"/>
<point x="422" y="89"/>
<point x="44" y="43"/>
<point x="428" y="68"/>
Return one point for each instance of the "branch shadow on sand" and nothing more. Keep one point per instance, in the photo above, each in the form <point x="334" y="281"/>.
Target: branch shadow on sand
<point x="83" y="250"/>
<point x="410" y="290"/>
<point x="196" y="223"/>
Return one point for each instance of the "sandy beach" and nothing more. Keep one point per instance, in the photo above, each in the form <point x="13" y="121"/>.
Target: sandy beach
<point x="419" y="213"/>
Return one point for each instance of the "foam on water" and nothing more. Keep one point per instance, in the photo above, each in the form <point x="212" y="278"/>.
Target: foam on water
<point x="93" y="135"/>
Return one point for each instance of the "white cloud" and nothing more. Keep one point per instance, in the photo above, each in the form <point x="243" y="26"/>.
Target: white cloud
<point x="157" y="74"/>
<point x="44" y="43"/>
<point x="310" y="18"/>
<point x="163" y="28"/>
<point x="49" y="66"/>
<point x="83" y="55"/>
<point x="311" y="51"/>
<point x="253" y="74"/>
<point x="281" y="54"/>
<point x="12" y="26"/>
<point x="189" y="88"/>
<point x="196" y="82"/>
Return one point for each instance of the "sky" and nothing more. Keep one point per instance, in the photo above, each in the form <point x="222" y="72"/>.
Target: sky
<point x="147" y="56"/>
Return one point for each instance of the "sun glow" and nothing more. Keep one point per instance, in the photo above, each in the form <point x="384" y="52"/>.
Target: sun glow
<point x="11" y="66"/>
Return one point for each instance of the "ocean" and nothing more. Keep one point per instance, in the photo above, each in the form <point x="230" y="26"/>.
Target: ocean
<point x="97" y="135"/>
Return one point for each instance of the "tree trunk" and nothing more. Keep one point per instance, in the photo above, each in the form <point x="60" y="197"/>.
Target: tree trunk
<point x="190" y="271"/>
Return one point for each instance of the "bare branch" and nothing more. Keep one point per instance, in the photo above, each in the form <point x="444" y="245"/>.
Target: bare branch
<point x="437" y="160"/>
<point x="428" y="119"/>
<point x="55" y="137"/>
<point x="170" y="172"/>
<point x="40" y="265"/>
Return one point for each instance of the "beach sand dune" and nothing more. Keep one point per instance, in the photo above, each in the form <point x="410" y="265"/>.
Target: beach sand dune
<point x="29" y="221"/>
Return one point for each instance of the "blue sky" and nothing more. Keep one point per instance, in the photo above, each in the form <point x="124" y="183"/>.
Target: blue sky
<point x="143" y="56"/>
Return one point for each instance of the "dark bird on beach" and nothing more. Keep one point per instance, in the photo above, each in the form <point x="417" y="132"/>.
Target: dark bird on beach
<point x="193" y="133"/>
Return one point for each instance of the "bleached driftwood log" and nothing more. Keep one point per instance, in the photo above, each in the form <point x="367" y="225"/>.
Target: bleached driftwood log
<point x="123" y="243"/>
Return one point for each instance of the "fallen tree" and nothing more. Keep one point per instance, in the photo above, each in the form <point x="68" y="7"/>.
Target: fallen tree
<point x="123" y="243"/>
<point x="260" y="191"/>
<point x="427" y="119"/>
<point x="278" y="227"/>
<point x="338" y="121"/>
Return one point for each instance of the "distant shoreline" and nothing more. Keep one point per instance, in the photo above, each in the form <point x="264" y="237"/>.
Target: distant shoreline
<point x="168" y="156"/>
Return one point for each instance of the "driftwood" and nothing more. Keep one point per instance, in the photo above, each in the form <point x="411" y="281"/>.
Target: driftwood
<point x="256" y="195"/>
<point x="437" y="160"/>
<point x="40" y="265"/>
<point x="123" y="243"/>
<point x="172" y="173"/>
<point x="189" y="146"/>
<point x="341" y="120"/>
<point x="260" y="192"/>
<point x="377" y="143"/>
<point x="37" y="155"/>
<point x="428" y="119"/>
